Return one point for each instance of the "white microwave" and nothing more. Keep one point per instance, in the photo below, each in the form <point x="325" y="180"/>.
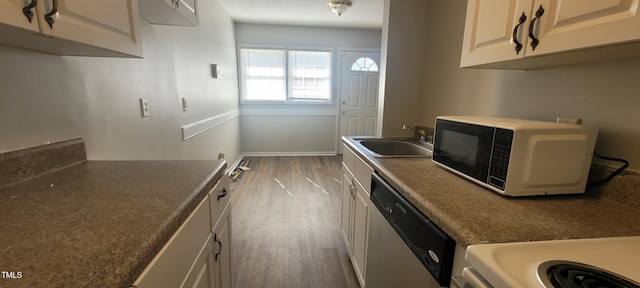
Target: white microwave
<point x="516" y="157"/>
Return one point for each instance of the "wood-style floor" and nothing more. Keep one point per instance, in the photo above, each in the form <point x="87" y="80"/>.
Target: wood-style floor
<point x="286" y="224"/>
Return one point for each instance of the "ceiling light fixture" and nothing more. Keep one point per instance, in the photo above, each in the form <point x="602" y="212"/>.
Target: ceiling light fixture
<point x="339" y="6"/>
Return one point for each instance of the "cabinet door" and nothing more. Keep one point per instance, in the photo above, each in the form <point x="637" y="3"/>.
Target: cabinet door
<point x="109" y="24"/>
<point x="360" y="232"/>
<point x="575" y="24"/>
<point x="189" y="9"/>
<point x="222" y="248"/>
<point x="11" y="14"/>
<point x="347" y="204"/>
<point x="172" y="264"/>
<point x="201" y="274"/>
<point x="219" y="199"/>
<point x="489" y="31"/>
<point x="170" y="12"/>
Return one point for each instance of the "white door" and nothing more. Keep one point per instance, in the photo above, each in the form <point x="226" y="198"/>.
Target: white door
<point x="359" y="93"/>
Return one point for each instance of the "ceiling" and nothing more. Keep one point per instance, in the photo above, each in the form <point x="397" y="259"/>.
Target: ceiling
<point x="362" y="14"/>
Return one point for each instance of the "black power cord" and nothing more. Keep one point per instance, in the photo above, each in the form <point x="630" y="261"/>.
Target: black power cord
<point x="614" y="173"/>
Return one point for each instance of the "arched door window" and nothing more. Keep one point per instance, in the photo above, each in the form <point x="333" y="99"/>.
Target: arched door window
<point x="364" y="64"/>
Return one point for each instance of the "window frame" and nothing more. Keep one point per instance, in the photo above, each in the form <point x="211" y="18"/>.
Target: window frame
<point x="365" y="58"/>
<point x="288" y="99"/>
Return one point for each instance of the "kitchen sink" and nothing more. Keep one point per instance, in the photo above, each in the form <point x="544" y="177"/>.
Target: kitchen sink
<point x="393" y="147"/>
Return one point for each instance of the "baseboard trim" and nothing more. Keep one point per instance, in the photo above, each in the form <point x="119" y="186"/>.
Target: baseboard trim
<point x="235" y="164"/>
<point x="266" y="154"/>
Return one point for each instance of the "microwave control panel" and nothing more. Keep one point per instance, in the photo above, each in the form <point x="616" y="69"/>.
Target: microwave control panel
<point x="501" y="150"/>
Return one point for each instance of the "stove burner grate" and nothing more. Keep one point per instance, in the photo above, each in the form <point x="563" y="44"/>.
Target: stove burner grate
<point x="567" y="274"/>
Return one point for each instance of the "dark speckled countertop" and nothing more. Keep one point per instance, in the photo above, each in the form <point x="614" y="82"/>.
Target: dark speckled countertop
<point x="96" y="223"/>
<point x="472" y="214"/>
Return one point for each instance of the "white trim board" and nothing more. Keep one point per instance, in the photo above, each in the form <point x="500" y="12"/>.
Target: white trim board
<point x="288" y="112"/>
<point x="192" y="129"/>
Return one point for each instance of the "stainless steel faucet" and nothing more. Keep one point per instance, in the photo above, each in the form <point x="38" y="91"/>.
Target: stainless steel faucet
<point x="423" y="138"/>
<point x="405" y="127"/>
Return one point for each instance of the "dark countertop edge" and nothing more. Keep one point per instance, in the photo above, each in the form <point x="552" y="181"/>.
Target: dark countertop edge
<point x="175" y="220"/>
<point x="462" y="235"/>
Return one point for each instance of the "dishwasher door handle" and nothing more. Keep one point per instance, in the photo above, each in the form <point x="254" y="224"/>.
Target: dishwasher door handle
<point x="398" y="208"/>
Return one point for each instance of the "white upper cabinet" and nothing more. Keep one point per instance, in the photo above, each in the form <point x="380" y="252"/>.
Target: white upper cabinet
<point x="188" y="9"/>
<point x="505" y="34"/>
<point x="489" y="30"/>
<point x="72" y="27"/>
<point x="575" y="24"/>
<point x="13" y="13"/>
<point x="170" y="12"/>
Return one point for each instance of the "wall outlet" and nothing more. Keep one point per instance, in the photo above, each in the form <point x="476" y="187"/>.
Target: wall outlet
<point x="144" y="107"/>
<point x="569" y="120"/>
<point x="290" y="139"/>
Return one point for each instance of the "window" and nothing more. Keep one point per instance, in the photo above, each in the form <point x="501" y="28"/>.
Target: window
<point x="262" y="75"/>
<point x="282" y="75"/>
<point x="364" y="64"/>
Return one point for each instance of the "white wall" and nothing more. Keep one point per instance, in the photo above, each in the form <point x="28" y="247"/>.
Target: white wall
<point x="47" y="98"/>
<point x="405" y="46"/>
<point x="267" y="129"/>
<point x="603" y="94"/>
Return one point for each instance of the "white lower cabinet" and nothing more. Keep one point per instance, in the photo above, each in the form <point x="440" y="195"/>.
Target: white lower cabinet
<point x="222" y="250"/>
<point x="199" y="252"/>
<point x="202" y="273"/>
<point x="347" y="207"/>
<point x="356" y="205"/>
<point x="361" y="206"/>
<point x="171" y="266"/>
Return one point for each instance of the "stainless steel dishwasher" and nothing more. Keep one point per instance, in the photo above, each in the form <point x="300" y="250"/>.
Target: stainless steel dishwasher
<point x="405" y="248"/>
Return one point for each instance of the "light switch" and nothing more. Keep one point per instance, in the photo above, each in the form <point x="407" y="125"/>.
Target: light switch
<point x="215" y="71"/>
<point x="144" y="107"/>
<point x="185" y="107"/>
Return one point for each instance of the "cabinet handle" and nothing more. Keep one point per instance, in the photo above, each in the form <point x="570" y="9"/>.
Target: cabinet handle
<point x="49" y="16"/>
<point x="215" y="238"/>
<point x="352" y="188"/>
<point x="534" y="40"/>
<point x="515" y="33"/>
<point x="224" y="193"/>
<point x="27" y="10"/>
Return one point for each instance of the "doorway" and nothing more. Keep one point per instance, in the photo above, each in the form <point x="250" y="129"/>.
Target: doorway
<point x="359" y="80"/>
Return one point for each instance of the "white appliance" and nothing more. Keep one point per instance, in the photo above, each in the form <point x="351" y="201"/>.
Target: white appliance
<point x="516" y="157"/>
<point x="596" y="262"/>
